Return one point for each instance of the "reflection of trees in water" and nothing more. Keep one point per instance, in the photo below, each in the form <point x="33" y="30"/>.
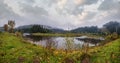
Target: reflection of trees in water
<point x="36" y="38"/>
<point x="90" y="41"/>
<point x="51" y="43"/>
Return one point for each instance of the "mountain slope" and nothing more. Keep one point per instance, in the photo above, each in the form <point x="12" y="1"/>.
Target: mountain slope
<point x="27" y="28"/>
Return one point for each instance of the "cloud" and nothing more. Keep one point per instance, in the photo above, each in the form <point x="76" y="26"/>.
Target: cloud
<point x="47" y="3"/>
<point x="5" y="10"/>
<point x="85" y="2"/>
<point x="60" y="13"/>
<point x="86" y="16"/>
<point x="111" y="9"/>
<point x="110" y="5"/>
<point x="6" y="13"/>
<point x="74" y="7"/>
<point x="66" y="7"/>
<point x="30" y="1"/>
<point x="30" y="10"/>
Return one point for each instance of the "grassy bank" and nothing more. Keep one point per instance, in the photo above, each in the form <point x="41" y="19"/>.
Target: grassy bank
<point x="66" y="35"/>
<point x="14" y="49"/>
<point x="56" y="34"/>
<point x="109" y="53"/>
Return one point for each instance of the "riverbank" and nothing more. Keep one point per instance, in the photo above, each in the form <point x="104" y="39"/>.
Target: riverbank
<point x="55" y="34"/>
<point x="109" y="53"/>
<point x="66" y="35"/>
<point x="15" y="49"/>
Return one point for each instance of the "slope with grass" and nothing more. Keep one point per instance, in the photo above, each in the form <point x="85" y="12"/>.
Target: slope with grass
<point x="15" y="49"/>
<point x="109" y="53"/>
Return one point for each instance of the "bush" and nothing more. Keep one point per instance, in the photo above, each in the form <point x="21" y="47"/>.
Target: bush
<point x="69" y="43"/>
<point x="114" y="36"/>
<point x="19" y="34"/>
<point x="85" y="58"/>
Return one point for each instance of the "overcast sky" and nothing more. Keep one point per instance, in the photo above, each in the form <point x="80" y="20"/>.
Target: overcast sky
<point x="60" y="13"/>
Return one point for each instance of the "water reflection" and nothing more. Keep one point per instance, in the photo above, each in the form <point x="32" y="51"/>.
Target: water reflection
<point x="59" y="42"/>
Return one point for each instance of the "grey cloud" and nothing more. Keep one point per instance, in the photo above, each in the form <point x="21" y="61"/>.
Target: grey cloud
<point x="112" y="7"/>
<point x="113" y="16"/>
<point x="6" y="13"/>
<point x="38" y="13"/>
<point x="74" y="9"/>
<point x="5" y="10"/>
<point x="90" y="15"/>
<point x="33" y="11"/>
<point x="78" y="10"/>
<point x="49" y="2"/>
<point x="71" y="8"/>
<point x="109" y="5"/>
<point x="30" y="1"/>
<point x="87" y="2"/>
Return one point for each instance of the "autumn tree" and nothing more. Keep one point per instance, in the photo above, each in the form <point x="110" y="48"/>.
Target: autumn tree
<point x="11" y="24"/>
<point x="6" y="27"/>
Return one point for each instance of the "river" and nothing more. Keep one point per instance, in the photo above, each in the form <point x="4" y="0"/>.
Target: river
<point x="60" y="42"/>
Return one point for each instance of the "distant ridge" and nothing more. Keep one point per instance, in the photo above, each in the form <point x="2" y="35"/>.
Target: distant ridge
<point x="53" y="29"/>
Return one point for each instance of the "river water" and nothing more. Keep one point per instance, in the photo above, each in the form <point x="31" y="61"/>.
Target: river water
<point x="59" y="42"/>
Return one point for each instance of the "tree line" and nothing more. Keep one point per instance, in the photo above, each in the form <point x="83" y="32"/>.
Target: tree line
<point x="34" y="29"/>
<point x="108" y="28"/>
<point x="39" y="29"/>
<point x="10" y="27"/>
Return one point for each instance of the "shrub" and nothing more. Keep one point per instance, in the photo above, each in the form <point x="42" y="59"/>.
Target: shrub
<point x="114" y="36"/>
<point x="69" y="43"/>
<point x="18" y="34"/>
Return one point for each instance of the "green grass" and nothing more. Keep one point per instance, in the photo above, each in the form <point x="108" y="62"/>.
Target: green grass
<point x="15" y="49"/>
<point x="109" y="53"/>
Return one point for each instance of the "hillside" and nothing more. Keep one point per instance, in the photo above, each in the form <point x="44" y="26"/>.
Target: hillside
<point x="27" y="28"/>
<point x="16" y="50"/>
